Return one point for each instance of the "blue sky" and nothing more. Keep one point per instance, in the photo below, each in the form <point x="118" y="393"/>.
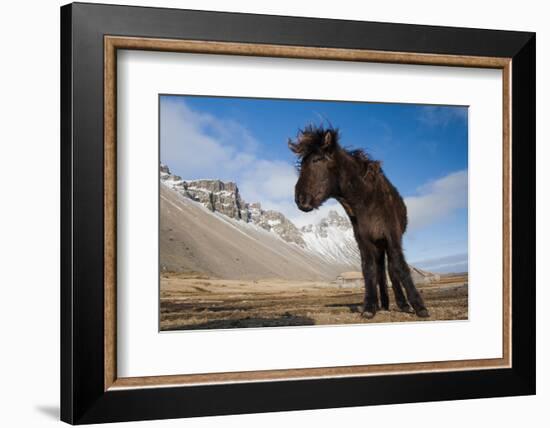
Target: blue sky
<point x="423" y="149"/>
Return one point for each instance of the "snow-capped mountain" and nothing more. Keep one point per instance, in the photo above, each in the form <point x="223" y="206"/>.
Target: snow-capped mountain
<point x="332" y="237"/>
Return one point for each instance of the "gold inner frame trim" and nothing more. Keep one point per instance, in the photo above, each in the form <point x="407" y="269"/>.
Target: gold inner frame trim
<point x="113" y="43"/>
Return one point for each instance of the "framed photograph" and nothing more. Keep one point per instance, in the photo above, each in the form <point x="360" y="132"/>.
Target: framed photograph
<point x="267" y="213"/>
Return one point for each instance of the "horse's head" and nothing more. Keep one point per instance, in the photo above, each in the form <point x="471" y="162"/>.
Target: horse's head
<point x="315" y="148"/>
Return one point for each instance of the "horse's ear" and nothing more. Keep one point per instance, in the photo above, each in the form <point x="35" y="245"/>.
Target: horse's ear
<point x="293" y="147"/>
<point x="328" y="140"/>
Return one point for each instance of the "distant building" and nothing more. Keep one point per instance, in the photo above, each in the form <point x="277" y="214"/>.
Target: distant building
<point x="350" y="280"/>
<point x="420" y="276"/>
<point x="355" y="279"/>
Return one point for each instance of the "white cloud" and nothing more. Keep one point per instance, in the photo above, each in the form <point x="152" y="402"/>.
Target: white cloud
<point x="438" y="199"/>
<point x="452" y="263"/>
<point x="269" y="180"/>
<point x="199" y="145"/>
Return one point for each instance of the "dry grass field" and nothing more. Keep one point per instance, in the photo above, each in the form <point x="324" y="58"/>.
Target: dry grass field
<point x="195" y="301"/>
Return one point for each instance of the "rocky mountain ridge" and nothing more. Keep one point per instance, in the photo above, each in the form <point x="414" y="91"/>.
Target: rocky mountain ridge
<point x="224" y="197"/>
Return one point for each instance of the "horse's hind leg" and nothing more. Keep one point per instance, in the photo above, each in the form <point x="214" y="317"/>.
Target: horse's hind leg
<point x="399" y="267"/>
<point x="400" y="299"/>
<point x="382" y="282"/>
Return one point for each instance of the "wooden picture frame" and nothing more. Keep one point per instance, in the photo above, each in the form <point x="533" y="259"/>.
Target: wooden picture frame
<point x="91" y="390"/>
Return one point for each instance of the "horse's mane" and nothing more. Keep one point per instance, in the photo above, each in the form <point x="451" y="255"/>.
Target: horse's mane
<point x="370" y="168"/>
<point x="311" y="139"/>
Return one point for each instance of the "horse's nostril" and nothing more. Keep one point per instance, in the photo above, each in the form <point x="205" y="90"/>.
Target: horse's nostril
<point x="303" y="202"/>
<point x="305" y="205"/>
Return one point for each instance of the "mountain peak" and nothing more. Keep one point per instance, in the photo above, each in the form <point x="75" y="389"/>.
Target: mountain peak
<point x="332" y="219"/>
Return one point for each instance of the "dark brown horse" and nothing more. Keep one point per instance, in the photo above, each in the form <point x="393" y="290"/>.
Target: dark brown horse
<point x="374" y="206"/>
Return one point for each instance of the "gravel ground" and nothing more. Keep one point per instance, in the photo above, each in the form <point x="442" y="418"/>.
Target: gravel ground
<point x="194" y="301"/>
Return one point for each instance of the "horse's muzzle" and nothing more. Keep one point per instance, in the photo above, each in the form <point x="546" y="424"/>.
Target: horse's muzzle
<point x="303" y="203"/>
<point x="305" y="208"/>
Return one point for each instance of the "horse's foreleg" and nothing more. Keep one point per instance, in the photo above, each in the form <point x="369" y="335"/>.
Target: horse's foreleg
<point x="369" y="266"/>
<point x="382" y="282"/>
<point x="400" y="270"/>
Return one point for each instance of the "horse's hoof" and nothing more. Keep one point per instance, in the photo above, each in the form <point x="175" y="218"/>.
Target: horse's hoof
<point x="422" y="313"/>
<point x="407" y="309"/>
<point x="369" y="311"/>
<point x="368" y="314"/>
